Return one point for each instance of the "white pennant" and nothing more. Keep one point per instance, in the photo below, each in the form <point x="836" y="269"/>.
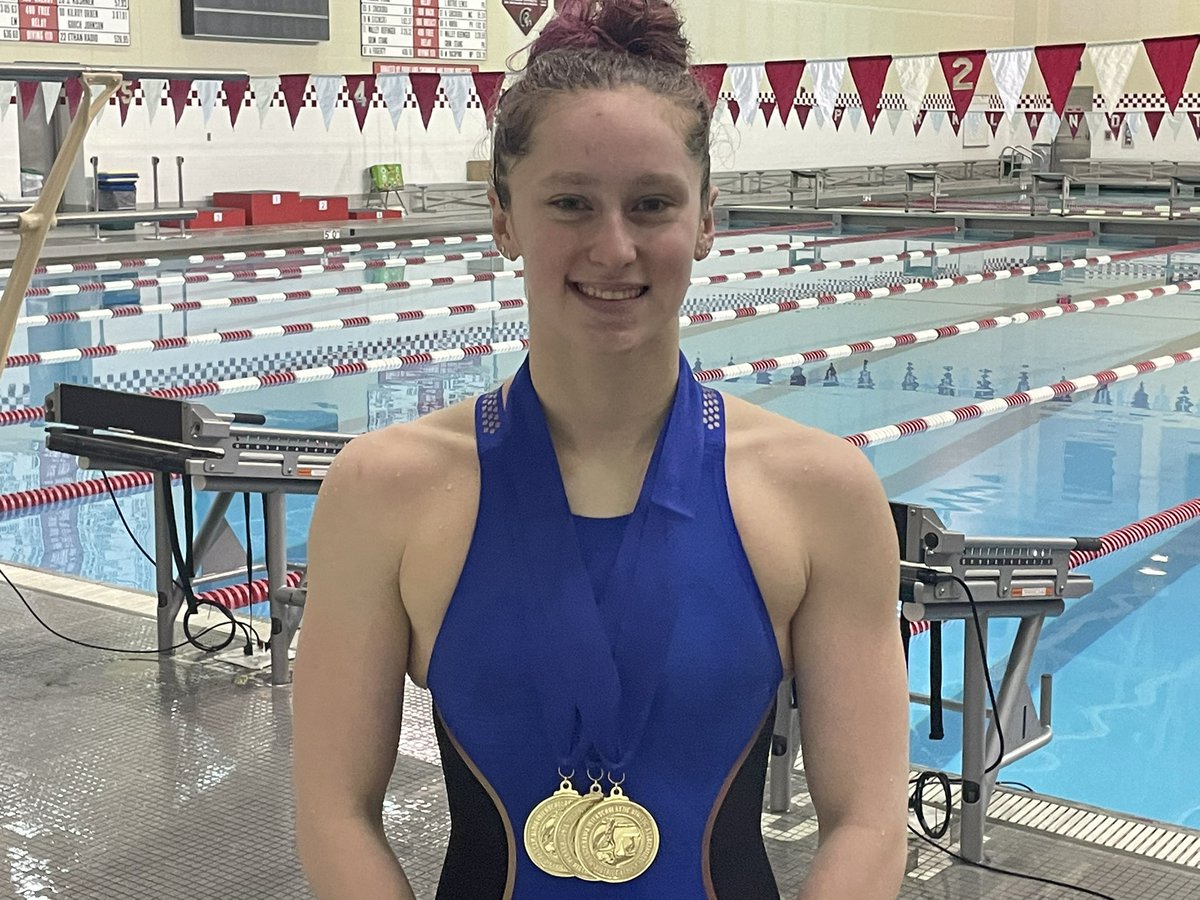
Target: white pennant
<point x="152" y="89"/>
<point x="1010" y="68"/>
<point x="264" y="89"/>
<point x="1051" y="122"/>
<point x="745" y="78"/>
<point x="894" y="117"/>
<point x="8" y="90"/>
<point x="1134" y="122"/>
<point x="1097" y="123"/>
<point x="394" y="90"/>
<point x="458" y="88"/>
<point x="328" y="87"/>
<point x="1177" y="121"/>
<point x="827" y="75"/>
<point x="936" y="119"/>
<point x="50" y="93"/>
<point x="1112" y="63"/>
<point x="855" y="115"/>
<point x="207" y="91"/>
<point x="914" y="72"/>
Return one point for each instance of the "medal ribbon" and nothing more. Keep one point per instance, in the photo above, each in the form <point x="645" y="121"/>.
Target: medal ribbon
<point x="597" y="667"/>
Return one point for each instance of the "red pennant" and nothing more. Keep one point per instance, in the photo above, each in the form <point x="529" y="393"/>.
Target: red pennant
<point x="74" y="88"/>
<point x="994" y="118"/>
<point x="424" y="88"/>
<point x="839" y="113"/>
<point x="1033" y="118"/>
<point x="487" y="86"/>
<point x="1171" y="59"/>
<point x="962" y="69"/>
<point x="802" y="111"/>
<point x="179" y="89"/>
<point x="784" y="77"/>
<point x="1115" y="121"/>
<point x="955" y="121"/>
<point x="869" y="73"/>
<point x="361" y="89"/>
<point x="125" y="97"/>
<point x="1194" y="118"/>
<point x="28" y="91"/>
<point x="1154" y="120"/>
<point x="735" y="110"/>
<point x="919" y="120"/>
<point x="767" y="107"/>
<point x="710" y="76"/>
<point x="235" y="98"/>
<point x="1074" y="120"/>
<point x="1059" y="63"/>
<point x="293" y="87"/>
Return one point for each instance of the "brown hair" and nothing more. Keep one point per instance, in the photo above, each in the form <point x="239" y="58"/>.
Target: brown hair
<point x="606" y="45"/>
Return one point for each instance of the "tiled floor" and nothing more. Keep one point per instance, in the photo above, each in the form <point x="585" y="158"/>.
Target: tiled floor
<point x="126" y="776"/>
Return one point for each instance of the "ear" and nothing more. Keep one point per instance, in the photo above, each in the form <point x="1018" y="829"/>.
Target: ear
<point x="502" y="234"/>
<point x="708" y="225"/>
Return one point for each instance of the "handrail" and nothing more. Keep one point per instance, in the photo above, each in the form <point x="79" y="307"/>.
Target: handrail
<point x="115" y="217"/>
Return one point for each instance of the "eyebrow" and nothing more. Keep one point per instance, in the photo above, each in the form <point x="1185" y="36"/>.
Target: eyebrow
<point x="586" y="179"/>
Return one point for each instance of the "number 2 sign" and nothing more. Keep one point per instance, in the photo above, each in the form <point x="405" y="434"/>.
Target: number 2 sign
<point x="962" y="69"/>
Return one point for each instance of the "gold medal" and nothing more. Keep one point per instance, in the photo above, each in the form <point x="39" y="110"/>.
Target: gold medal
<point x="568" y="822"/>
<point x="616" y="840"/>
<point x="541" y="826"/>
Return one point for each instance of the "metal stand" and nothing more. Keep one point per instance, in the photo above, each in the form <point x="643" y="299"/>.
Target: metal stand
<point x="928" y="176"/>
<point x="814" y="178"/>
<point x="179" y="165"/>
<point x="154" y="161"/>
<point x="1057" y="180"/>
<point x="95" y="161"/>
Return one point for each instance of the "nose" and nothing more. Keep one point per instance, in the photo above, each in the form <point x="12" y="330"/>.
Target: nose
<point x="613" y="243"/>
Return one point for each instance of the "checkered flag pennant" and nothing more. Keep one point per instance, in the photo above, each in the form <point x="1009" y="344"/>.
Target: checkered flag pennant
<point x="8" y="90"/>
<point x="1112" y="63"/>
<point x="1010" y="68"/>
<point x="328" y="87"/>
<point x="457" y="88"/>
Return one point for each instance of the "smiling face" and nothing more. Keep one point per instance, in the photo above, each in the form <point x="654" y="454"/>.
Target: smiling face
<point x="606" y="210"/>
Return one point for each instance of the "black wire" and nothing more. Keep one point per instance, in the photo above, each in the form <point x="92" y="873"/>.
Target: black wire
<point x="1023" y="875"/>
<point x="987" y="675"/>
<point x="121" y="515"/>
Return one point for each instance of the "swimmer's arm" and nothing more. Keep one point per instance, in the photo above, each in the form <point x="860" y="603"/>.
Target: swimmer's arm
<point x="853" y="690"/>
<point x="348" y="686"/>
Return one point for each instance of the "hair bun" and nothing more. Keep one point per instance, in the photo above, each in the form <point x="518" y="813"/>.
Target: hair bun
<point x="646" y="28"/>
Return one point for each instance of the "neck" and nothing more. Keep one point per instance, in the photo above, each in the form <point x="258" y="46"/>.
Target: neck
<point x="608" y="403"/>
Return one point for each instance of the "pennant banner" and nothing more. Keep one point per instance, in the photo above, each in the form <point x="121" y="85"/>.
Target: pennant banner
<point x="994" y="118"/>
<point x="235" y="97"/>
<point x="293" y="87"/>
<point x="784" y="77"/>
<point x="1171" y="59"/>
<point x="1010" y="68"/>
<point x="328" y="87"/>
<point x="962" y="69"/>
<point x="735" y="109"/>
<point x="457" y="89"/>
<point x="915" y="72"/>
<point x="8" y="90"/>
<point x="487" y="88"/>
<point x="802" y="113"/>
<point x="394" y="89"/>
<point x="894" y="116"/>
<point x="827" y="78"/>
<point x="207" y="91"/>
<point x="125" y="97"/>
<point x="29" y="91"/>
<point x="424" y="87"/>
<point x="838" y="113"/>
<point x="744" y="79"/>
<point x="937" y="118"/>
<point x="855" y="115"/>
<point x="1033" y="118"/>
<point x="711" y="76"/>
<point x="1059" y="63"/>
<point x="50" y="94"/>
<point x="179" y="90"/>
<point x="919" y="119"/>
<point x="1112" y="63"/>
<point x="264" y="94"/>
<point x="1074" y="119"/>
<point x="74" y="89"/>
<point x="955" y="121"/>
<point x="1193" y="116"/>
<point x="767" y="107"/>
<point x="1154" y="121"/>
<point x="1115" y="121"/>
<point x="361" y="89"/>
<point x="869" y="74"/>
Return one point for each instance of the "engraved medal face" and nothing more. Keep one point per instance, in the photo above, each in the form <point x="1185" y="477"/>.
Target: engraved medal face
<point x="616" y="840"/>
<point x="564" y="835"/>
<point x="540" y="830"/>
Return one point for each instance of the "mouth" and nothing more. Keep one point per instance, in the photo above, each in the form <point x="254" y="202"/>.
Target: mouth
<point x="609" y="292"/>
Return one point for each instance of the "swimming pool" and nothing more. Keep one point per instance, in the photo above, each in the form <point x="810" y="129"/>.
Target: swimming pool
<point x="1123" y="657"/>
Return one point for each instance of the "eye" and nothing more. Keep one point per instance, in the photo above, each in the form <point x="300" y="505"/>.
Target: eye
<point x="653" y="204"/>
<point x="569" y="204"/>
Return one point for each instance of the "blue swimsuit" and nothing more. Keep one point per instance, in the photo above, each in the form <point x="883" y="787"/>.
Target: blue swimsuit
<point x="699" y="767"/>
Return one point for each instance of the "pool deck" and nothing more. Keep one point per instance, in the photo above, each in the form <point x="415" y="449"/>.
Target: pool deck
<point x="138" y="776"/>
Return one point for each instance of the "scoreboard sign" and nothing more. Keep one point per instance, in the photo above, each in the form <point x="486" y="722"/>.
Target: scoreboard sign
<point x="425" y="29"/>
<point x="277" y="21"/>
<point x="65" y="22"/>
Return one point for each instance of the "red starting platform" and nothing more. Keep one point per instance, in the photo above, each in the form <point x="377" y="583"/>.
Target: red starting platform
<point x="376" y="213"/>
<point x="324" y="209"/>
<point x="212" y="217"/>
<point x="263" y="207"/>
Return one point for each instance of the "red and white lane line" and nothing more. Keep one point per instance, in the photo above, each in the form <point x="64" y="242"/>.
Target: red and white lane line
<point x="889" y="433"/>
<point x="51" y="357"/>
<point x="23" y="414"/>
<point x="941" y="332"/>
<point x="150" y="262"/>
<point x="1138" y="531"/>
<point x="183" y="306"/>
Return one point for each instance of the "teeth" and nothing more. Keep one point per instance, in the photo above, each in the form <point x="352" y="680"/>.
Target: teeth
<point x="627" y="294"/>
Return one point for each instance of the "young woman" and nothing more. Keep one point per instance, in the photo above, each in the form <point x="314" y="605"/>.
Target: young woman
<point x="603" y="571"/>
